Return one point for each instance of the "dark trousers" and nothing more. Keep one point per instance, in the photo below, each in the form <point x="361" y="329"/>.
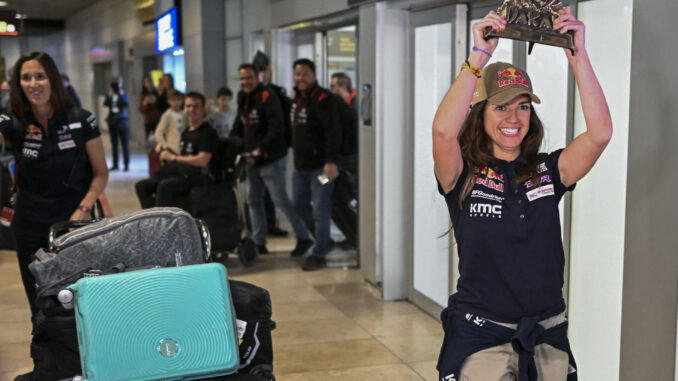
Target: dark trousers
<point x="119" y="129"/>
<point x="271" y="219"/>
<point x="157" y="191"/>
<point x="149" y="128"/>
<point x="29" y="238"/>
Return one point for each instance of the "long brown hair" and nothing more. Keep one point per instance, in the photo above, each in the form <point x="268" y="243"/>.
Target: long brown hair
<point x="476" y="147"/>
<point x="59" y="98"/>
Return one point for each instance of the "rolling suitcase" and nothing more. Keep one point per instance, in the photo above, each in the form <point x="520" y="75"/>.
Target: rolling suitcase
<point x="345" y="206"/>
<point x="159" y="324"/>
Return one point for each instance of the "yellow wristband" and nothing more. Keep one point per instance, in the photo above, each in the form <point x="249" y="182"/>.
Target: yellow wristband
<point x="473" y="68"/>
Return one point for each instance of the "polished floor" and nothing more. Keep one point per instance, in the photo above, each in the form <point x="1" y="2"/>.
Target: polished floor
<point x="331" y="324"/>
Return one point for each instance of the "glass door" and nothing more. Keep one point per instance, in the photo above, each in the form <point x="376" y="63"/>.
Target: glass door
<point x="432" y="48"/>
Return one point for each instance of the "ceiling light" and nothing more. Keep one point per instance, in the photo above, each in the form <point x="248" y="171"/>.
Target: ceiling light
<point x="20" y="16"/>
<point x="3" y="3"/>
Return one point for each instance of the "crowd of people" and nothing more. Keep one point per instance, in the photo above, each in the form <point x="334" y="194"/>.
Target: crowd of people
<point x="63" y="169"/>
<point x="507" y="318"/>
<point x="320" y="126"/>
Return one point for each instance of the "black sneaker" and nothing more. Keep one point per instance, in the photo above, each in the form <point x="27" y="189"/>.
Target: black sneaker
<point x="113" y="168"/>
<point x="262" y="249"/>
<point x="314" y="262"/>
<point x="277" y="232"/>
<point x="345" y="245"/>
<point x="302" y="247"/>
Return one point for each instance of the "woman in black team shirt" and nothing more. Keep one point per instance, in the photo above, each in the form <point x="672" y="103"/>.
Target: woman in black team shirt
<point x="56" y="180"/>
<point x="507" y="320"/>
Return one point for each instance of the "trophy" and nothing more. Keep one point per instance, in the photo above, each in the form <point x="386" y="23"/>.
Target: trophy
<point x="532" y="21"/>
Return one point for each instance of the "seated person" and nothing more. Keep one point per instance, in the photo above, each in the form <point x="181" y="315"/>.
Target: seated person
<point x="189" y="168"/>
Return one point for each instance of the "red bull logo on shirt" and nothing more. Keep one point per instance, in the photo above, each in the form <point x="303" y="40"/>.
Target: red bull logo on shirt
<point x="490" y="178"/>
<point x="492" y="175"/>
<point x="511" y="76"/>
<point x="33" y="132"/>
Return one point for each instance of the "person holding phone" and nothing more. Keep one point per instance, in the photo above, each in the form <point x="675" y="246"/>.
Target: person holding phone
<point x="316" y="140"/>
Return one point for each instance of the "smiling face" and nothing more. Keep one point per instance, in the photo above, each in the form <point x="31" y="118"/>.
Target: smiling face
<point x="248" y="80"/>
<point x="194" y="110"/>
<point x="35" y="84"/>
<point x="304" y="78"/>
<point x="507" y="125"/>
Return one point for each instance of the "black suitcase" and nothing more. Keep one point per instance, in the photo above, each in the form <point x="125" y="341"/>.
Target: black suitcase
<point x="345" y="206"/>
<point x="217" y="206"/>
<point x="253" y="311"/>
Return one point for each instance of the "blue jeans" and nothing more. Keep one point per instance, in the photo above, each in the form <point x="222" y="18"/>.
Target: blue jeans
<point x="313" y="202"/>
<point x="272" y="177"/>
<point x="119" y="129"/>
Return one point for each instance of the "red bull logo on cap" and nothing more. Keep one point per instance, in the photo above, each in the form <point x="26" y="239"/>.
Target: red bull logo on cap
<point x="511" y="76"/>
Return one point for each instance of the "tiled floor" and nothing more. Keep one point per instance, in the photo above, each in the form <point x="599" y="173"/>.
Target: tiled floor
<point x="331" y="325"/>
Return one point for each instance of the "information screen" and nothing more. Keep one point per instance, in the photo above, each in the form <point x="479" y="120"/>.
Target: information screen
<point x="166" y="31"/>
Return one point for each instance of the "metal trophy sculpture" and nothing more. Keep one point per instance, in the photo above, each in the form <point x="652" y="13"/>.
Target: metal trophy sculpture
<point x="532" y="21"/>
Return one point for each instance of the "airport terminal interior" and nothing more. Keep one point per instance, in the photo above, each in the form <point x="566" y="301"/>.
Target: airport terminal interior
<point x="373" y="311"/>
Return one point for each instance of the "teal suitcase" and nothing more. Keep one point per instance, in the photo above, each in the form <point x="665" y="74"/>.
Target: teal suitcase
<point x="174" y="323"/>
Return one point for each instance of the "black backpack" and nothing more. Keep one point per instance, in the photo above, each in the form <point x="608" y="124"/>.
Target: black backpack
<point x="286" y="104"/>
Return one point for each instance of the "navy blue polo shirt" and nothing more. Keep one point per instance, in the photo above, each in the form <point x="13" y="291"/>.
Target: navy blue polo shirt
<point x="511" y="258"/>
<point x="53" y="179"/>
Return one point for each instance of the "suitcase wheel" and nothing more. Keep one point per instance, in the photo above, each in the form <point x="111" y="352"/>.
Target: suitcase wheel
<point x="247" y="252"/>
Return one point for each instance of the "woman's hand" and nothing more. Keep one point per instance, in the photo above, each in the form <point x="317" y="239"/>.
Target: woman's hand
<point x="567" y="22"/>
<point x="489" y="22"/>
<point x="79" y="215"/>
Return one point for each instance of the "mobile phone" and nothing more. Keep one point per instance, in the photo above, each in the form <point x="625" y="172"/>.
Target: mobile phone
<point x="323" y="179"/>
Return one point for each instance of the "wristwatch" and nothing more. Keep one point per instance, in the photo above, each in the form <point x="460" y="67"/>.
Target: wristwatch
<point x="85" y="209"/>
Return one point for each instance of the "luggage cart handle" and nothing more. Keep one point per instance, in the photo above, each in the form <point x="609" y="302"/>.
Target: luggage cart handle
<point x="60" y="228"/>
<point x="206" y="240"/>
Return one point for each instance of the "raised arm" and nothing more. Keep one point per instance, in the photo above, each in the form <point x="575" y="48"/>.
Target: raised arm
<point x="454" y="106"/>
<point x="582" y="153"/>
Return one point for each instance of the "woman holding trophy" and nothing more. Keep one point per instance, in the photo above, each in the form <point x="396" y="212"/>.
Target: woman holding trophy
<point x="507" y="321"/>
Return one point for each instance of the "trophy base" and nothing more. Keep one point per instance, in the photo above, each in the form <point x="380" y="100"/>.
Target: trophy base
<point x="524" y="33"/>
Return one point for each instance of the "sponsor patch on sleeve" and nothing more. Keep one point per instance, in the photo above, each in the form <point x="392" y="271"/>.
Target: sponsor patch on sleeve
<point x="543" y="191"/>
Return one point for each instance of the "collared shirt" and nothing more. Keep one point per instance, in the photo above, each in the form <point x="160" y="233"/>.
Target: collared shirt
<point x="52" y="178"/>
<point x="511" y="258"/>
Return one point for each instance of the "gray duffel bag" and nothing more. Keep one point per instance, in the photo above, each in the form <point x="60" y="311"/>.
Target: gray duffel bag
<point x="163" y="237"/>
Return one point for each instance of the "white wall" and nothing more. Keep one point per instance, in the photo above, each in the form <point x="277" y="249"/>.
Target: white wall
<point x="9" y="49"/>
<point x="598" y="203"/>
<point x="102" y="24"/>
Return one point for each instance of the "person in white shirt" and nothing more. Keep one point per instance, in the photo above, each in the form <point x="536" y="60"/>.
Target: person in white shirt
<point x="172" y="123"/>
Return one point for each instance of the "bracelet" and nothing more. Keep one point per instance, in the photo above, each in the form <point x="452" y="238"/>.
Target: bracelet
<point x="84" y="209"/>
<point x="473" y="68"/>
<point x="475" y="48"/>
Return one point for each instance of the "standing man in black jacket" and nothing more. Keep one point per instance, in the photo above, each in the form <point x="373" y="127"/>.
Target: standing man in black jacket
<point x="259" y="123"/>
<point x="263" y="66"/>
<point x="316" y="140"/>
